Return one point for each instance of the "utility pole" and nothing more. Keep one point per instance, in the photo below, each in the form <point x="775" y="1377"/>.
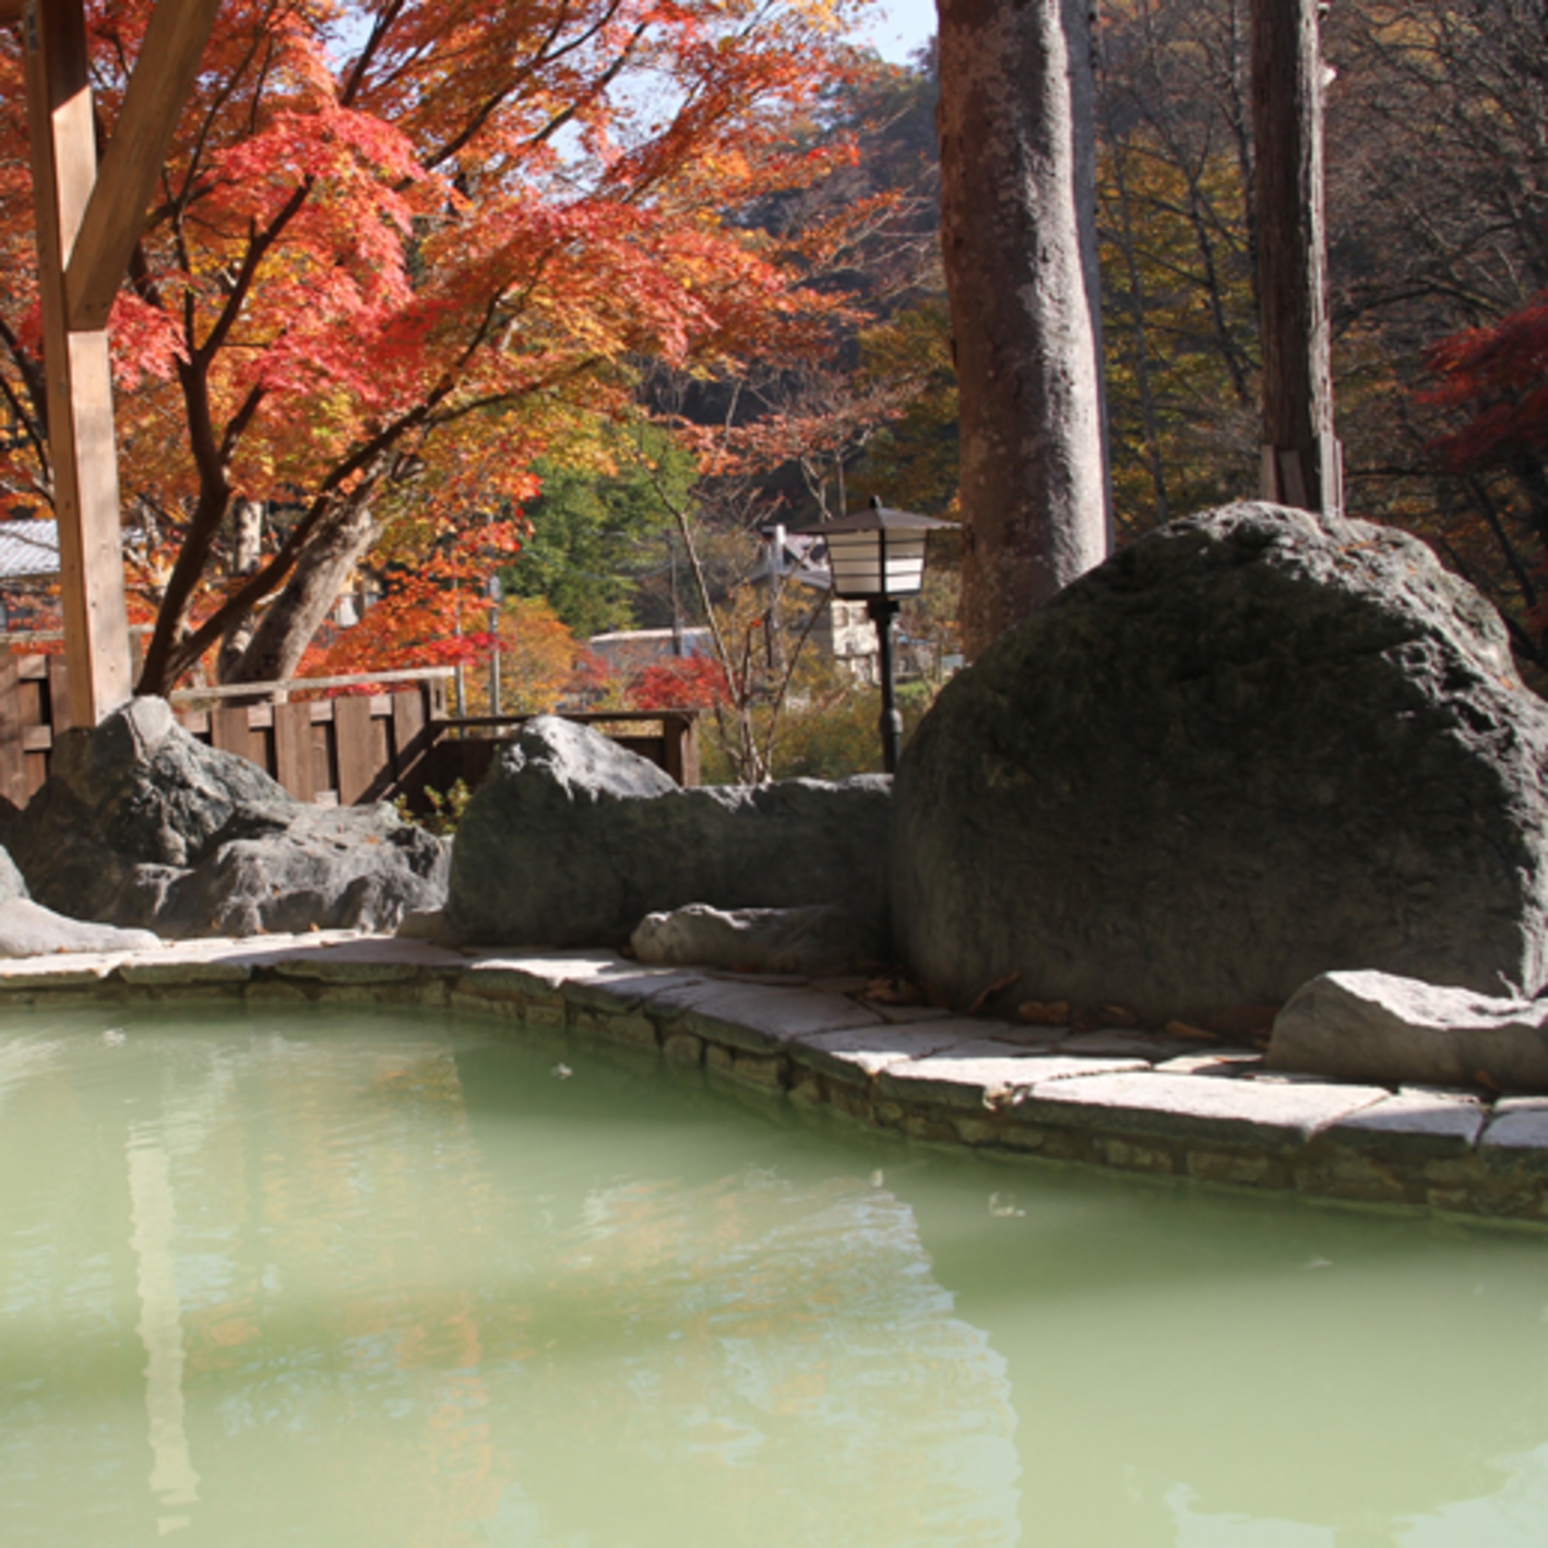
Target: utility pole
<point x="496" y="595"/>
<point x="1302" y="464"/>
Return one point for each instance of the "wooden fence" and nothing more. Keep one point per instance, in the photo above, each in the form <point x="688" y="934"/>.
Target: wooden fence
<point x="340" y="751"/>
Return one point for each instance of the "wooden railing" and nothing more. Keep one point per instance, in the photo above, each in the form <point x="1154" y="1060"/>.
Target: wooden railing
<point x="368" y="746"/>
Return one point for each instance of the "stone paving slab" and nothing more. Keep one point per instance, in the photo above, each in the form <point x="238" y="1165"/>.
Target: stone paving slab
<point x="859" y="1054"/>
<point x="979" y="1072"/>
<point x="1432" y="1123"/>
<point x="371" y="960"/>
<point x="1117" y="1043"/>
<point x="1209" y="1113"/>
<point x="758" y="1019"/>
<point x="536" y="975"/>
<point x="1239" y="1112"/>
<point x="1517" y="1134"/>
<point x="631" y="988"/>
<point x="78" y="968"/>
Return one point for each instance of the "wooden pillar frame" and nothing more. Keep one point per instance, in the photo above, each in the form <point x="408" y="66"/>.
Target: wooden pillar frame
<point x="87" y="228"/>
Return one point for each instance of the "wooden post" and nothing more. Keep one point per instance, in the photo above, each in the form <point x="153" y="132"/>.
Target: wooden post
<point x="80" y="388"/>
<point x="87" y="228"/>
<point x="1301" y="461"/>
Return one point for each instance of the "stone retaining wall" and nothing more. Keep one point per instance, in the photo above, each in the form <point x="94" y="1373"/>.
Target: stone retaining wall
<point x="1112" y="1098"/>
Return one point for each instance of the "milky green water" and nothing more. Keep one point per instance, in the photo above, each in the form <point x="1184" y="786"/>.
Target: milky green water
<point x="376" y="1279"/>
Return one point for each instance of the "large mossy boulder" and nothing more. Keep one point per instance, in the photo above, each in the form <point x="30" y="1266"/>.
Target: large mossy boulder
<point x="1252" y="747"/>
<point x="572" y="840"/>
<point x="140" y="824"/>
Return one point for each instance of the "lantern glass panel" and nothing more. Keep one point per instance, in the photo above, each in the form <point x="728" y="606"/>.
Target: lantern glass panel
<point x="876" y="563"/>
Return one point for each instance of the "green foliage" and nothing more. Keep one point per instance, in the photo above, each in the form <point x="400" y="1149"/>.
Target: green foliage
<point x="830" y="735"/>
<point x="600" y="523"/>
<point x="446" y="809"/>
<point x="912" y="463"/>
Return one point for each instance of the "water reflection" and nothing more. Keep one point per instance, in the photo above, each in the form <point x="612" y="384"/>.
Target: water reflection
<point x="1201" y="1369"/>
<point x="172" y="1479"/>
<point x="368" y="1282"/>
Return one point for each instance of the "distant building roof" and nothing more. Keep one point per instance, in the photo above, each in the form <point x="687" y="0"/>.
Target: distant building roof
<point x="634" y="648"/>
<point x="799" y="556"/>
<point x="29" y="551"/>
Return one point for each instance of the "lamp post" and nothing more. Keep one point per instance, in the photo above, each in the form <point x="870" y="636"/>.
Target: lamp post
<point x="877" y="556"/>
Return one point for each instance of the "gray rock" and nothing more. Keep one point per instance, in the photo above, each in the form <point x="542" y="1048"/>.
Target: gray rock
<point x="815" y="940"/>
<point x="1374" y="1026"/>
<point x="27" y="929"/>
<point x="12" y="883"/>
<point x="572" y="840"/>
<point x="1252" y="747"/>
<point x="140" y="824"/>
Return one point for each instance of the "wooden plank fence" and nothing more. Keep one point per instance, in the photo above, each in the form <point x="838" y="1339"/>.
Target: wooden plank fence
<point x="334" y="752"/>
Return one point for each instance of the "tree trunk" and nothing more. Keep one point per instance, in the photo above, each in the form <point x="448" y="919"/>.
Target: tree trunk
<point x="1019" y="248"/>
<point x="246" y="554"/>
<point x="1300" y="454"/>
<point x="287" y="626"/>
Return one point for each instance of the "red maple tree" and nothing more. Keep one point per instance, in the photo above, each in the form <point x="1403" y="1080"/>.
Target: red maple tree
<point x="396" y="243"/>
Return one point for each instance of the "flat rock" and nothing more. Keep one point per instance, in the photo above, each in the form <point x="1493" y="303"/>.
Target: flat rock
<point x="1253" y="746"/>
<point x="1198" y="1107"/>
<point x="573" y="840"/>
<point x="1376" y="1026"/>
<point x="27" y="929"/>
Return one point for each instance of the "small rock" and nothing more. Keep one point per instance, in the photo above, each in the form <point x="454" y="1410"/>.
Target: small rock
<point x="816" y="941"/>
<point x="1376" y="1026"/>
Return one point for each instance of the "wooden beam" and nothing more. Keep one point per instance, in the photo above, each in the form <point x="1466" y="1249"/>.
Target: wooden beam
<point x="115" y="214"/>
<point x="80" y="391"/>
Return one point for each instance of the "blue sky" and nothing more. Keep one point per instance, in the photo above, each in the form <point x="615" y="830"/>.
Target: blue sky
<point x="901" y="26"/>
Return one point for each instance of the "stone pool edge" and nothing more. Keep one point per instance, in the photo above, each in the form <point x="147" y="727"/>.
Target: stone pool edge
<point x="1109" y="1099"/>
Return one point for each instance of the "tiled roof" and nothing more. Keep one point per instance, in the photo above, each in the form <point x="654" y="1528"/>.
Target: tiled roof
<point x="29" y="550"/>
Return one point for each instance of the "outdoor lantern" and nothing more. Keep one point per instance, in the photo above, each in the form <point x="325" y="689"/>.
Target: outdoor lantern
<point x="877" y="556"/>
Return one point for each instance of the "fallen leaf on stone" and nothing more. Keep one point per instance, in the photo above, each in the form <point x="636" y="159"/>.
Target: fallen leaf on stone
<point x="988" y="990"/>
<point x="1114" y="1016"/>
<point x="893" y="991"/>
<point x="1488" y="1082"/>
<point x="1044" y="1013"/>
<point x="1190" y="1033"/>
